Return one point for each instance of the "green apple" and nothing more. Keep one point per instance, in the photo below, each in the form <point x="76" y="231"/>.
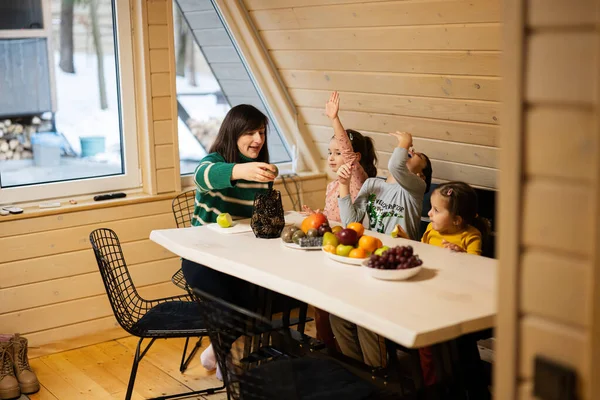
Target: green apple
<point x="224" y="220"/>
<point x="343" y="250"/>
<point x="380" y="250"/>
<point x="329" y="238"/>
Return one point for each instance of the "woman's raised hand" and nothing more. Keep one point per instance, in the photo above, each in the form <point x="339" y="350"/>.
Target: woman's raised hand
<point x="253" y="171"/>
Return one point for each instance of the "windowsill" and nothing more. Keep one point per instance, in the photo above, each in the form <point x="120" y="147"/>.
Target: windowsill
<point x="86" y="202"/>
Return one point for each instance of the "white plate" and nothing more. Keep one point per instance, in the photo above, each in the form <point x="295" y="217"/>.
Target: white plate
<point x="392" y="274"/>
<point x="345" y="260"/>
<point x="297" y="246"/>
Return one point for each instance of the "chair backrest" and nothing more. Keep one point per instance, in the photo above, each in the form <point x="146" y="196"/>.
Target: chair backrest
<point x="270" y="373"/>
<point x="183" y="208"/>
<point x="124" y="299"/>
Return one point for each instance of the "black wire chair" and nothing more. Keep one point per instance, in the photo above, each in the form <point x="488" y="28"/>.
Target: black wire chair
<point x="276" y="372"/>
<point x="183" y="211"/>
<point x="171" y="317"/>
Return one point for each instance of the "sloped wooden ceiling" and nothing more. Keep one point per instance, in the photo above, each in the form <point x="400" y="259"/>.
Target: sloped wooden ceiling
<point x="427" y="67"/>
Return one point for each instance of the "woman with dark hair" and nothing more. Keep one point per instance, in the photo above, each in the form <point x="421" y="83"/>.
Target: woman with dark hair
<point x="236" y="169"/>
<point x="227" y="181"/>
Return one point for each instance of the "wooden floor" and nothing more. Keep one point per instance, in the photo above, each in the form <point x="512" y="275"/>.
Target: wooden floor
<point x="102" y="371"/>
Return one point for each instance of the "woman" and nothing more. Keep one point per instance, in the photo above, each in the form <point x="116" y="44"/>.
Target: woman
<point x="227" y="180"/>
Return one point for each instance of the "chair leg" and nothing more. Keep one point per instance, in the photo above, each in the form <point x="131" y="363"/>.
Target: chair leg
<point x="186" y="361"/>
<point x="136" y="361"/>
<point x="138" y="357"/>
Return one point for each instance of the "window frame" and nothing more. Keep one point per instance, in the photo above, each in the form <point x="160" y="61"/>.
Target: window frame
<point x="269" y="88"/>
<point x="131" y="178"/>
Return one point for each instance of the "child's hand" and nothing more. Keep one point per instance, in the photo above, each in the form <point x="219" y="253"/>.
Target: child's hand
<point x="452" y="247"/>
<point x="333" y="105"/>
<point x="404" y="139"/>
<point x="344" y="173"/>
<point x="306" y="210"/>
<point x="399" y="232"/>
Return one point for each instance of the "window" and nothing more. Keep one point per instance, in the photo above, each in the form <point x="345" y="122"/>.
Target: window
<point x="211" y="78"/>
<point x="67" y="121"/>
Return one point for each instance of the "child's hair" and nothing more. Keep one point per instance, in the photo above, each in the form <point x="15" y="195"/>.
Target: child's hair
<point x="462" y="202"/>
<point x="239" y="120"/>
<point x="365" y="146"/>
<point x="427" y="172"/>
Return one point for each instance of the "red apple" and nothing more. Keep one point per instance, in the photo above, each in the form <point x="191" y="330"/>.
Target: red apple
<point x="348" y="237"/>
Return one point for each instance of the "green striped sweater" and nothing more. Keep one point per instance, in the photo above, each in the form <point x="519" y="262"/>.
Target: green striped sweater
<point x="216" y="193"/>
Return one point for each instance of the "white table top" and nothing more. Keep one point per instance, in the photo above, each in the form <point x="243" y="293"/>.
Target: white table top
<point x="454" y="294"/>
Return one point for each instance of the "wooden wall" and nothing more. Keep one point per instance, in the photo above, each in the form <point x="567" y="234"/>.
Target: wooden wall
<point x="549" y="203"/>
<point x="428" y="67"/>
<point x="50" y="288"/>
<point x="159" y="75"/>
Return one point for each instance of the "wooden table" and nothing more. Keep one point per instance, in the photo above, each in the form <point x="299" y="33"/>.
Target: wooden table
<point x="453" y="295"/>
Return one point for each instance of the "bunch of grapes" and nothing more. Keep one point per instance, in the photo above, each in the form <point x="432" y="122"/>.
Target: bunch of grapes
<point x="399" y="257"/>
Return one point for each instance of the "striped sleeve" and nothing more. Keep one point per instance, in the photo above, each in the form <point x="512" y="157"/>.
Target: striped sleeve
<point x="211" y="174"/>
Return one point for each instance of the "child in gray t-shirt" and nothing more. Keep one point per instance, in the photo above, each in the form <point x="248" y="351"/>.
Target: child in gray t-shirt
<point x="397" y="200"/>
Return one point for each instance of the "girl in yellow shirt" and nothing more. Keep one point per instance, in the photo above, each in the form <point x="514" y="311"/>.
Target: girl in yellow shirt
<point x="454" y="225"/>
<point x="454" y="221"/>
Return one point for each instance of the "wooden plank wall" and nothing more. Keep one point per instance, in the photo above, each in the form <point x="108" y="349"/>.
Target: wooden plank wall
<point x="162" y="111"/>
<point x="428" y="67"/>
<point x="550" y="292"/>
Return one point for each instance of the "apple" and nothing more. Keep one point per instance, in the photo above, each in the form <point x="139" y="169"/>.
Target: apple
<point x="343" y="250"/>
<point x="336" y="229"/>
<point x="329" y="238"/>
<point x="224" y="220"/>
<point x="380" y="250"/>
<point x="348" y="237"/>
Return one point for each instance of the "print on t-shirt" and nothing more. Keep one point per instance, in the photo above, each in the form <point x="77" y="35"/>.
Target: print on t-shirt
<point x="377" y="210"/>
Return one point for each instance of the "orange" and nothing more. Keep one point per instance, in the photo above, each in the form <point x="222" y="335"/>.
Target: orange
<point x="313" y="221"/>
<point x="368" y="243"/>
<point x="356" y="226"/>
<point x="379" y="243"/>
<point x="357" y="253"/>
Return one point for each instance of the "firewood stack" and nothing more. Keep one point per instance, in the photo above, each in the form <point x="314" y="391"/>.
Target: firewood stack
<point x="15" y="137"/>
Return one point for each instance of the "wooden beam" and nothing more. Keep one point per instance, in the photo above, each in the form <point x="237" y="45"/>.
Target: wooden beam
<point x="508" y="213"/>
